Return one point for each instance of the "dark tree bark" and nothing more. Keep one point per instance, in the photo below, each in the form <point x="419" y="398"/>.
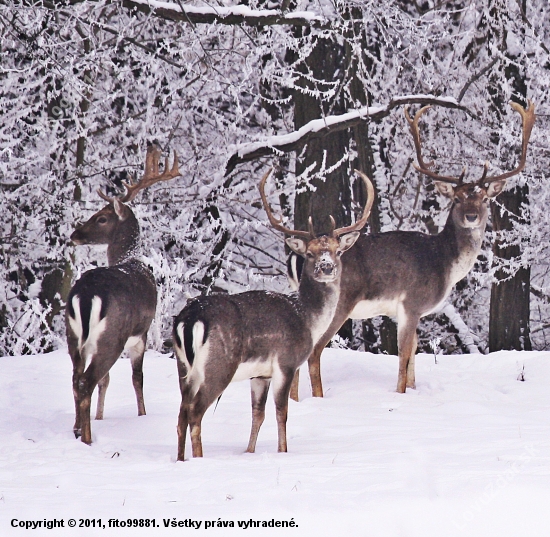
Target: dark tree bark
<point x="510" y="306"/>
<point x="510" y="297"/>
<point x="331" y="195"/>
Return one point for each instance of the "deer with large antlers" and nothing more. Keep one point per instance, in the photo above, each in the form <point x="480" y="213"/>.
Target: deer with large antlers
<point x="259" y="335"/>
<point x="406" y="274"/>
<point x="110" y="309"/>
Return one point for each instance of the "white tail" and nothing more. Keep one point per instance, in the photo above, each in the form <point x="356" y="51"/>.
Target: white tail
<point x="259" y="335"/>
<point x="110" y="309"/>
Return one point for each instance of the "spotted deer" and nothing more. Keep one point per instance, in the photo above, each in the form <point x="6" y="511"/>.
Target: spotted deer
<point x="407" y="275"/>
<point x="259" y="335"/>
<point x="110" y="309"/>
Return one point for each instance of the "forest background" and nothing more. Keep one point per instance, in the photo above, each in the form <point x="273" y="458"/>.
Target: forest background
<point x="315" y="88"/>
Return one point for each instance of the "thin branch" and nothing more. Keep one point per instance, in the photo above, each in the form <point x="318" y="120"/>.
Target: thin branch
<point x="113" y="31"/>
<point x="528" y="22"/>
<point x="476" y="77"/>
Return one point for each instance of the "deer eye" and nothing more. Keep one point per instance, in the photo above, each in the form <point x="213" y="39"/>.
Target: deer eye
<point x="102" y="220"/>
<point x="457" y="199"/>
<point x="309" y="255"/>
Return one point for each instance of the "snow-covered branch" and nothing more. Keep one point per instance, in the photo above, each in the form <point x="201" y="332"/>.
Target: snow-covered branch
<point x="233" y="15"/>
<point x="319" y="128"/>
<point x="224" y="15"/>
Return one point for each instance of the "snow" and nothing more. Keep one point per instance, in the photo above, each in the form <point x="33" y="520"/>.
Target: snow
<point x="466" y="453"/>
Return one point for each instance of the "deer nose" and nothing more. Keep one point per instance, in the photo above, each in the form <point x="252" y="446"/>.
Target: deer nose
<point x="325" y="267"/>
<point x="75" y="236"/>
<point x="471" y="217"/>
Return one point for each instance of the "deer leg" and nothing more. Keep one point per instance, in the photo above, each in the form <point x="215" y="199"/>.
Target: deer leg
<point x="77" y="427"/>
<point x="259" y="388"/>
<point x="136" y="357"/>
<point x="196" y="440"/>
<point x="84" y="403"/>
<point x="281" y="388"/>
<point x="78" y="367"/>
<point x="97" y="372"/>
<point x="76" y="393"/>
<point x="411" y="383"/>
<point x="406" y="338"/>
<point x="314" y="361"/>
<point x="314" y="365"/>
<point x="294" y="386"/>
<point x="190" y="417"/>
<point x="102" y="385"/>
<point x="183" y="422"/>
<point x="195" y="412"/>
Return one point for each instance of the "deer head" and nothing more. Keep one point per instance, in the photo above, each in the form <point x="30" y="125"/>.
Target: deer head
<point x="321" y="253"/>
<point x="103" y="226"/>
<point x="470" y="200"/>
<point x="116" y="224"/>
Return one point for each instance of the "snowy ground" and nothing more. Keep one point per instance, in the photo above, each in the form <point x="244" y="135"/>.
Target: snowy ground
<point x="467" y="453"/>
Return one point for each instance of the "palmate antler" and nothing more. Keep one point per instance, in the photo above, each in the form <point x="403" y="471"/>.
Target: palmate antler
<point x="310" y="234"/>
<point x="528" y="119"/>
<point x="150" y="176"/>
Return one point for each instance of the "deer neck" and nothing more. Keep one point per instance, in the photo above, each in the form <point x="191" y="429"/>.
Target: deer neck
<point x="125" y="244"/>
<point x="463" y="245"/>
<point x="318" y="302"/>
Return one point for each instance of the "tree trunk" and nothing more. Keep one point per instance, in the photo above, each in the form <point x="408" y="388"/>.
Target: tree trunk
<point x="510" y="299"/>
<point x="331" y="195"/>
<point x="365" y="162"/>
<point x="510" y="306"/>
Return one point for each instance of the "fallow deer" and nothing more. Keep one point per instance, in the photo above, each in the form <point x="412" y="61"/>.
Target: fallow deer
<point x="407" y="274"/>
<point x="110" y="309"/>
<point x="259" y="335"/>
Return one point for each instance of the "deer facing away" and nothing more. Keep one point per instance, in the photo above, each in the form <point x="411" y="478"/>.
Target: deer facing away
<point x="259" y="335"/>
<point x="110" y="309"/>
<point x="407" y="275"/>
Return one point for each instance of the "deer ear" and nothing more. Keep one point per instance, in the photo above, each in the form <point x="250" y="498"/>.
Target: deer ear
<point x="494" y="189"/>
<point x="298" y="246"/>
<point x="447" y="189"/>
<point x="120" y="209"/>
<point x="348" y="240"/>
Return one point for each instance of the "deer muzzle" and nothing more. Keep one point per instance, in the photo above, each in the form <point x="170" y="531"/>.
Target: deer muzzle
<point x="76" y="237"/>
<point x="325" y="269"/>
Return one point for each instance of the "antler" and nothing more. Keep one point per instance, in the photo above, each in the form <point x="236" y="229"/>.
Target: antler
<point x="528" y="120"/>
<point x="276" y="223"/>
<point x="150" y="176"/>
<point x="423" y="166"/>
<point x="366" y="211"/>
